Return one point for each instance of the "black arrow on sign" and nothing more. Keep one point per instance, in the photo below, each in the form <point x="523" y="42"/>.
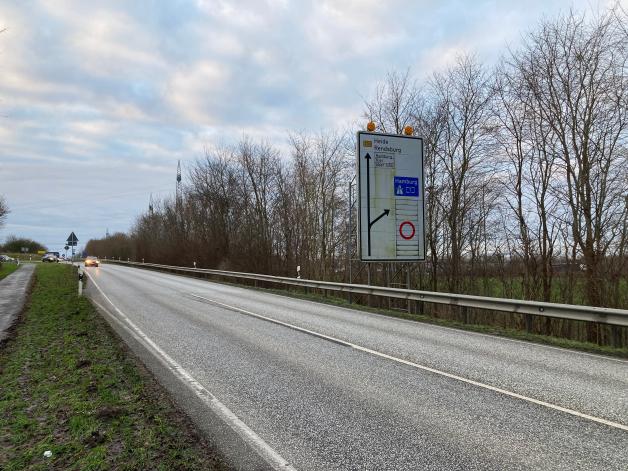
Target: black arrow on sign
<point x="385" y="213"/>
<point x="368" y="199"/>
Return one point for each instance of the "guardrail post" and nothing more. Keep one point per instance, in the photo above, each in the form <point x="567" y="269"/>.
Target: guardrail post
<point x="615" y="333"/>
<point x="387" y="267"/>
<point x="465" y="314"/>
<point x="408" y="287"/>
<point x="528" y="321"/>
<point x="350" y="276"/>
<point x="368" y="282"/>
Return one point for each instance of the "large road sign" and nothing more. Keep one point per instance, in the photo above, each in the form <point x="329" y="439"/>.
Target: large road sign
<point x="391" y="198"/>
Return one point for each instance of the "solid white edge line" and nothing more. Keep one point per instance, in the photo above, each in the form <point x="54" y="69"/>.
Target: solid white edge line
<point x="273" y="458"/>
<point x="422" y="367"/>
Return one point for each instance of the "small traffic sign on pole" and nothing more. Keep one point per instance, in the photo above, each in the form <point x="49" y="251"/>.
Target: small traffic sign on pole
<point x="72" y="239"/>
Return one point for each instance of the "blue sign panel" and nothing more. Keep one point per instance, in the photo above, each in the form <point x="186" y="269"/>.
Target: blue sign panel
<point x="407" y="186"/>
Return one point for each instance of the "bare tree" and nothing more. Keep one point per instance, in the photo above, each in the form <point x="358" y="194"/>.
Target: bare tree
<point x="257" y="171"/>
<point x="575" y="71"/>
<point x="395" y="103"/>
<point x="464" y="152"/>
<point x="430" y="120"/>
<point x="212" y="186"/>
<point x="319" y="167"/>
<point x="530" y="150"/>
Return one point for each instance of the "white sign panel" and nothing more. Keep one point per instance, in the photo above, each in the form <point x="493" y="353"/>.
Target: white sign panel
<point x="391" y="197"/>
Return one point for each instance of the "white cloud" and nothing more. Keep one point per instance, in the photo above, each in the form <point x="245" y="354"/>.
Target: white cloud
<point x="192" y="91"/>
<point x="111" y="43"/>
<point x="121" y="90"/>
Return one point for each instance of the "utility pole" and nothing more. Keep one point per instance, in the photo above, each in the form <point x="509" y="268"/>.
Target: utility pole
<point x="178" y="192"/>
<point x="350" y="235"/>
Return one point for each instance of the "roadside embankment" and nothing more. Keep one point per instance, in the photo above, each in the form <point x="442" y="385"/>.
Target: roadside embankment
<point x="71" y="390"/>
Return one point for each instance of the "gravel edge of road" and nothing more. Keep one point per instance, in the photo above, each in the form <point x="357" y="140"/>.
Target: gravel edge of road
<point x="15" y="314"/>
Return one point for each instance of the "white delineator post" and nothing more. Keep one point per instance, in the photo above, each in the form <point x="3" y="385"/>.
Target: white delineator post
<point x="80" y="282"/>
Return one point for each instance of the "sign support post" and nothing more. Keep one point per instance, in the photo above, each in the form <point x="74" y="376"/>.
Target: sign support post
<point x="72" y="241"/>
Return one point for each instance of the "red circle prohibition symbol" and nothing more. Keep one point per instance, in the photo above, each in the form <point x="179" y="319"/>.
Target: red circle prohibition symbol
<point x="407" y="237"/>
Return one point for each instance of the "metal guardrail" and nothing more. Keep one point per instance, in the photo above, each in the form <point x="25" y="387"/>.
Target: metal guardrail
<point x="601" y="315"/>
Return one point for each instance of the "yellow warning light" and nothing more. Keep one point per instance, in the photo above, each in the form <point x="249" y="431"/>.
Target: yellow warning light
<point x="370" y="126"/>
<point x="408" y="130"/>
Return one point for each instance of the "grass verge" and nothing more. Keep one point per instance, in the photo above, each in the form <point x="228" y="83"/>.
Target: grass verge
<point x="6" y="269"/>
<point x="70" y="386"/>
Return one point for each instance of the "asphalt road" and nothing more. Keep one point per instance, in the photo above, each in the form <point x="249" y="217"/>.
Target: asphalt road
<point x="330" y="388"/>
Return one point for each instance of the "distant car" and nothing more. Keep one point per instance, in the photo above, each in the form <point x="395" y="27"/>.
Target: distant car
<point x="92" y="261"/>
<point x="50" y="258"/>
<point x="7" y="259"/>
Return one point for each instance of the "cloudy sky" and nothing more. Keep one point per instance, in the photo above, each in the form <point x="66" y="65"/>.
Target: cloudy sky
<point x="98" y="100"/>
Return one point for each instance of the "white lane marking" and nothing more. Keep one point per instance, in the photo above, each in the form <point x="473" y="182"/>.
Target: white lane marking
<point x="527" y="343"/>
<point x="273" y="458"/>
<point x="420" y="367"/>
<point x="376" y="315"/>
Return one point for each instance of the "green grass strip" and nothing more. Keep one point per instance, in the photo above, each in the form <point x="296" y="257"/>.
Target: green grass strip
<point x="68" y="385"/>
<point x="7" y="268"/>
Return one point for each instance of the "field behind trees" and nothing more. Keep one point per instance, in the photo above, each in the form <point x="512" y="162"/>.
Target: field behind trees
<point x="526" y="183"/>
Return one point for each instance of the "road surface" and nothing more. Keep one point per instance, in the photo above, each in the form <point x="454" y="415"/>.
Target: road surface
<point x="13" y="293"/>
<point x="322" y="387"/>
